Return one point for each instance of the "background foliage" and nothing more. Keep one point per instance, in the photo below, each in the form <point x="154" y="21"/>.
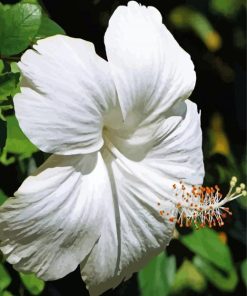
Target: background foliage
<point x="204" y="262"/>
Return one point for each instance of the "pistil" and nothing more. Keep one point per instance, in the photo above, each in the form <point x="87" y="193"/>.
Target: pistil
<point x="201" y="205"/>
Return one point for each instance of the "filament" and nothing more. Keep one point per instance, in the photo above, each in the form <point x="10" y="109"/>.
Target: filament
<point x="200" y="205"/>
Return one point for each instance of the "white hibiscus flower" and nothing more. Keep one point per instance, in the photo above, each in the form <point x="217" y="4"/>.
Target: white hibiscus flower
<point x="121" y="132"/>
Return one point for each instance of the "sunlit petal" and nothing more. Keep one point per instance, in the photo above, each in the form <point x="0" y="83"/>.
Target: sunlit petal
<point x="65" y="94"/>
<point x="150" y="70"/>
<point x="55" y="218"/>
<point x="177" y="151"/>
<point x="140" y="232"/>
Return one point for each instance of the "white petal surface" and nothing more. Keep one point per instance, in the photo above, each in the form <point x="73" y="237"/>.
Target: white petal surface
<point x="177" y="151"/>
<point x="66" y="93"/>
<point x="55" y="218"/>
<point x="150" y="70"/>
<point x="141" y="232"/>
<point x="138" y="184"/>
<point x="173" y="144"/>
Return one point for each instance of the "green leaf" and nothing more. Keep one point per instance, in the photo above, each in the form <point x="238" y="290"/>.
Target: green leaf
<point x="188" y="278"/>
<point x="30" y="1"/>
<point x="5" y="279"/>
<point x="206" y="243"/>
<point x="5" y="160"/>
<point x="19" y="24"/>
<point x="223" y="281"/>
<point x="157" y="277"/>
<point x="8" y="84"/>
<point x="227" y="8"/>
<point x="34" y="285"/>
<point x="17" y="142"/>
<point x="48" y="28"/>
<point x="14" y="67"/>
<point x="5" y="105"/>
<point x="6" y="293"/>
<point x="2" y="66"/>
<point x="184" y="17"/>
<point x="244" y="271"/>
<point x="3" y="197"/>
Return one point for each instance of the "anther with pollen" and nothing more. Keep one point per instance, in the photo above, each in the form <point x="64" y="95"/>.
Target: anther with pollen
<point x="200" y="205"/>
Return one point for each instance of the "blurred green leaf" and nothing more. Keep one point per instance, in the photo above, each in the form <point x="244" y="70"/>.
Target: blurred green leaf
<point x="157" y="277"/>
<point x="14" y="67"/>
<point x="223" y="281"/>
<point x="1" y="66"/>
<point x="242" y="201"/>
<point x="188" y="277"/>
<point x="5" y="279"/>
<point x="244" y="271"/>
<point x="218" y="139"/>
<point x="17" y="142"/>
<point x="3" y="197"/>
<point x="5" y="105"/>
<point x="8" y="84"/>
<point x="34" y="285"/>
<point x="19" y="24"/>
<point x="5" y="159"/>
<point x="206" y="243"/>
<point x="227" y="8"/>
<point x="30" y="1"/>
<point x="6" y="293"/>
<point x="48" y="28"/>
<point x="243" y="176"/>
<point x="4" y="67"/>
<point x="184" y="17"/>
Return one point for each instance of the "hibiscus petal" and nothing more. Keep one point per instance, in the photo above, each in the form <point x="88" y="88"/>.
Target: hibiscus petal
<point x="177" y="151"/>
<point x="174" y="144"/>
<point x="55" y="218"/>
<point x="141" y="232"/>
<point x="150" y="70"/>
<point x="138" y="186"/>
<point x="66" y="92"/>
